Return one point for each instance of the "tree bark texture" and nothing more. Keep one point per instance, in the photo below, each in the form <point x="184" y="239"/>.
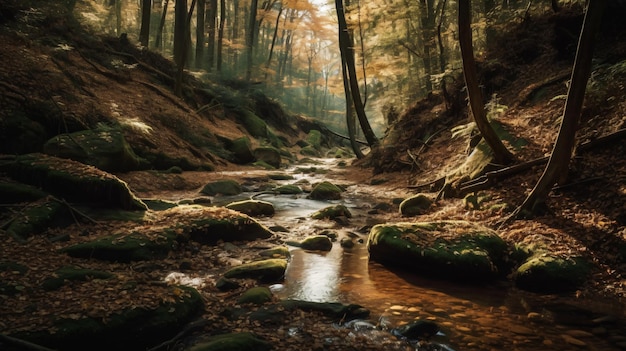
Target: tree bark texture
<point x="200" y="17"/>
<point x="557" y="168"/>
<point x="250" y="38"/>
<point x="144" y="32"/>
<point x="500" y="152"/>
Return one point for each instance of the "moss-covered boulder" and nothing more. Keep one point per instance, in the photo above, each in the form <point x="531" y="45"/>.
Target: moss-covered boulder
<point x="130" y="328"/>
<point x="208" y="225"/>
<point x="455" y="250"/>
<point x="38" y="217"/>
<point x="135" y="246"/>
<point x="104" y="147"/>
<point x="233" y="342"/>
<point x="276" y="252"/>
<point x="415" y="205"/>
<point x="309" y="151"/>
<point x="222" y="187"/>
<point x="280" y="176"/>
<point x="548" y="273"/>
<point x="159" y="204"/>
<point x="13" y="193"/>
<point x="289" y="189"/>
<point x="254" y="208"/>
<point x="265" y="270"/>
<point x="73" y="274"/>
<point x="314" y="139"/>
<point x="332" y="212"/>
<point x="256" y="296"/>
<point x="241" y="150"/>
<point x="254" y="124"/>
<point x="268" y="155"/>
<point x="325" y="191"/>
<point x="72" y="181"/>
<point x="314" y="243"/>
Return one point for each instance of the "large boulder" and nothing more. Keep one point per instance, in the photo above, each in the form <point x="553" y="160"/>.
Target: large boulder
<point x="544" y="272"/>
<point x="242" y="151"/>
<point x="72" y="181"/>
<point x="269" y="155"/>
<point x="131" y="328"/>
<point x="105" y="148"/>
<point x="415" y="205"/>
<point x="325" y="191"/>
<point x="455" y="250"/>
<point x="38" y="217"/>
<point x="332" y="212"/>
<point x="314" y="243"/>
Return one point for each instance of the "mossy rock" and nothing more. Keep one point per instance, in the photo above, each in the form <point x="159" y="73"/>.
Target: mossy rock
<point x="314" y="139"/>
<point x="315" y="243"/>
<point x="332" y="212"/>
<point x="241" y="150"/>
<point x="256" y="296"/>
<point x="546" y="273"/>
<point x="233" y="342"/>
<point x="222" y="187"/>
<point x="253" y="124"/>
<point x="73" y="274"/>
<point x="276" y="252"/>
<point x="13" y="193"/>
<point x="125" y="247"/>
<point x="325" y="191"/>
<point x="253" y="208"/>
<point x="38" y="217"/>
<point x="72" y="181"/>
<point x="268" y="155"/>
<point x="309" y="151"/>
<point x="130" y="329"/>
<point x="330" y="309"/>
<point x="105" y="148"/>
<point x="453" y="250"/>
<point x="208" y="225"/>
<point x="280" y="176"/>
<point x="415" y="205"/>
<point x="264" y="165"/>
<point x="288" y="189"/>
<point x="269" y="270"/>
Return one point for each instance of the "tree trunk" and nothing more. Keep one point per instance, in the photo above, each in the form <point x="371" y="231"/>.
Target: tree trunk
<point x="250" y="38"/>
<point x="500" y="152"/>
<point x="118" y="17"/>
<point x="211" y="22"/>
<point x="347" y="54"/>
<point x="220" y="35"/>
<point x="269" y="58"/>
<point x="180" y="20"/>
<point x="159" y="35"/>
<point x="350" y="119"/>
<point x="184" y="43"/>
<point x="200" y="17"/>
<point x="144" y="32"/>
<point x="557" y="168"/>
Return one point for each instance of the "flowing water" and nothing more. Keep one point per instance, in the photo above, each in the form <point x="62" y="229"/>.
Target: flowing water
<point x="471" y="317"/>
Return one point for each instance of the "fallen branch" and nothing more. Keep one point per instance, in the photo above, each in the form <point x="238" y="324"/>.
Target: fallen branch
<point x="74" y="210"/>
<point x="165" y="95"/>
<point x="143" y="65"/>
<point x="345" y="137"/>
<point x="23" y="344"/>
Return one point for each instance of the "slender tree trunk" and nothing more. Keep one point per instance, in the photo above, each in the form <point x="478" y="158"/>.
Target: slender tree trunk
<point x="220" y="35"/>
<point x="212" y="21"/>
<point x="347" y="53"/>
<point x="350" y="118"/>
<point x="557" y="168"/>
<point x="180" y="40"/>
<point x="250" y="38"/>
<point x="118" y="17"/>
<point x="200" y="19"/>
<point x="183" y="47"/>
<point x="144" y="32"/>
<point x="269" y="58"/>
<point x="500" y="152"/>
<point x="159" y="36"/>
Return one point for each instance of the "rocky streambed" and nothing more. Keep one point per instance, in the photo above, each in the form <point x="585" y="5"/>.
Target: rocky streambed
<point x="309" y="257"/>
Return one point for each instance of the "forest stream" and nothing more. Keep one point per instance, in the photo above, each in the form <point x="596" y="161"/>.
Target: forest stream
<point x="470" y="316"/>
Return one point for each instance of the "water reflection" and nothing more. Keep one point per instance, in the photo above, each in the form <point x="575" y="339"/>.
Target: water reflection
<point x="313" y="276"/>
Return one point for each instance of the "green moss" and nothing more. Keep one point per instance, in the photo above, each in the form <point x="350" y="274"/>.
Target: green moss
<point x="241" y="150"/>
<point x="546" y="273"/>
<point x="268" y="155"/>
<point x="280" y="176"/>
<point x="158" y="204"/>
<point x="314" y="139"/>
<point x="37" y="218"/>
<point x="332" y="212"/>
<point x="288" y="189"/>
<point x="264" y="270"/>
<point x="253" y="124"/>
<point x="256" y="296"/>
<point x="415" y="205"/>
<point x="309" y="151"/>
<point x="72" y="181"/>
<point x="263" y="165"/>
<point x="331" y="309"/>
<point x="223" y="187"/>
<point x="276" y="252"/>
<point x="237" y="228"/>
<point x="233" y="342"/>
<point x="325" y="191"/>
<point x="125" y="247"/>
<point x="316" y="243"/>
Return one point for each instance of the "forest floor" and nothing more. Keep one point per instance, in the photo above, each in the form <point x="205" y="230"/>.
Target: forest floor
<point x="526" y="79"/>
